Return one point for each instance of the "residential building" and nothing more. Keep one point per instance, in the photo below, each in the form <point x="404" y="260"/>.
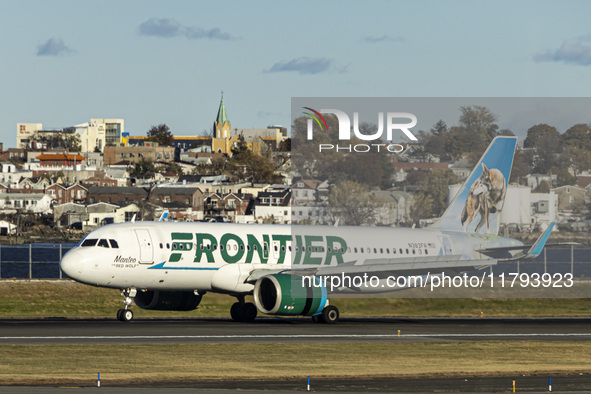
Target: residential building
<point x="229" y="205"/>
<point x="394" y="206"/>
<point x="133" y="154"/>
<point x="93" y="215"/>
<point x="187" y="196"/>
<point x="116" y="195"/>
<point x="65" y="194"/>
<point x="60" y="160"/>
<point x="273" y="207"/>
<point x="571" y="198"/>
<point x="27" y="202"/>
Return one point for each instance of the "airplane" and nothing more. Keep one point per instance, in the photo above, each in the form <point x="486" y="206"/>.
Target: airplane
<point x="166" y="265"/>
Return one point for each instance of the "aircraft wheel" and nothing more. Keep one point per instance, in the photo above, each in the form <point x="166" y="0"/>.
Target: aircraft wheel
<point x="330" y="314"/>
<point x="249" y="312"/>
<point x="235" y="311"/>
<point x="126" y="315"/>
<point x="119" y="313"/>
<point x="317" y="318"/>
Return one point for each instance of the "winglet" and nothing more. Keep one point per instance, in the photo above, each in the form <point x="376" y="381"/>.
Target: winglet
<point x="538" y="246"/>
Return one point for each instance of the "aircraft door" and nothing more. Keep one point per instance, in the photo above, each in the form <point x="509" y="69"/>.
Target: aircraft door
<point x="447" y="247"/>
<point x="145" y="242"/>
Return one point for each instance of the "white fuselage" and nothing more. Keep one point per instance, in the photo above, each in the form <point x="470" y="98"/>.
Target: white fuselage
<point x="220" y="256"/>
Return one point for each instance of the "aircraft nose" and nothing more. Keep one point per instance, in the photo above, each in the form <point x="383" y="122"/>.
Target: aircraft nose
<point x="72" y="264"/>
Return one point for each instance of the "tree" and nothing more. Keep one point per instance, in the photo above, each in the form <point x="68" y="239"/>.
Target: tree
<point x="253" y="167"/>
<point x="142" y="167"/>
<point x="160" y="134"/>
<point x="578" y="135"/>
<point x="174" y="168"/>
<point x="350" y="202"/>
<point x="543" y="187"/>
<point x="576" y="158"/>
<point x="480" y="123"/>
<point x="475" y="131"/>
<point x="545" y="140"/>
<point x="536" y="133"/>
<point x="72" y="142"/>
<point x="435" y="184"/>
<point x="520" y="168"/>
<point x="285" y="145"/>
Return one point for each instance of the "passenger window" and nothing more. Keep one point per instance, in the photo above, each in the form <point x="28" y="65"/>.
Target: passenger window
<point x="114" y="244"/>
<point x="103" y="243"/>
<point x="89" y="242"/>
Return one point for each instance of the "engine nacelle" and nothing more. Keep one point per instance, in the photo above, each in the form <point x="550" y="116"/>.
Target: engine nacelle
<point x="282" y="294"/>
<point x="167" y="300"/>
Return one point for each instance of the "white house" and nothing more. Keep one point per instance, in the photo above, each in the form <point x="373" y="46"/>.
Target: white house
<point x="29" y="202"/>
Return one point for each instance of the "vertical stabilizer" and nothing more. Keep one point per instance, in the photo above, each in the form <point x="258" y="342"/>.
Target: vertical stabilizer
<point x="477" y="206"/>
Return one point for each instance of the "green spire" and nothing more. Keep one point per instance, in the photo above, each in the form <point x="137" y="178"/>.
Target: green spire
<point x="222" y="117"/>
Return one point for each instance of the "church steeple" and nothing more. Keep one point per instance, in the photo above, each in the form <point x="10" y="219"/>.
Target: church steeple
<point x="222" y="125"/>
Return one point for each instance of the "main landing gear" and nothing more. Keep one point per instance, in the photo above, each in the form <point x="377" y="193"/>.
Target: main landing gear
<point x="125" y="314"/>
<point x="329" y="315"/>
<point x="243" y="311"/>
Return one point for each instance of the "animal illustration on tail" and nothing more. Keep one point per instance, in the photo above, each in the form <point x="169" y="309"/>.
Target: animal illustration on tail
<point x="486" y="196"/>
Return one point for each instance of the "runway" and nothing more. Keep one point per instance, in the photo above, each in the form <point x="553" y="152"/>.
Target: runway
<point x="296" y="330"/>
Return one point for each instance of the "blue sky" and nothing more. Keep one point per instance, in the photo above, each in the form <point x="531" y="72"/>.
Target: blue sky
<point x="152" y="62"/>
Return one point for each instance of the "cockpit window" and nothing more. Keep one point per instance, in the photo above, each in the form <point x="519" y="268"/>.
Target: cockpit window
<point x="89" y="242"/>
<point x="114" y="244"/>
<point x="103" y="243"/>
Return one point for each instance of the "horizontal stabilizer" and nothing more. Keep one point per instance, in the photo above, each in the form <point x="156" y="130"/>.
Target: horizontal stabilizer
<point x="533" y="250"/>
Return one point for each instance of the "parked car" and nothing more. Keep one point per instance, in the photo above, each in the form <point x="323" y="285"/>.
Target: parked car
<point x="76" y="226"/>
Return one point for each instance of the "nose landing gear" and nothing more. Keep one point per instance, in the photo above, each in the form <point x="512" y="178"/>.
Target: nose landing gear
<point x="125" y="314"/>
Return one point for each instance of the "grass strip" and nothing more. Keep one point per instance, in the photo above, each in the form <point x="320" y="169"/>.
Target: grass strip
<point x="39" y="299"/>
<point x="63" y="364"/>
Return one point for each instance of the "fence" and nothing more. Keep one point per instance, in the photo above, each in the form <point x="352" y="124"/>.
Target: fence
<point x="41" y="261"/>
<point x="32" y="261"/>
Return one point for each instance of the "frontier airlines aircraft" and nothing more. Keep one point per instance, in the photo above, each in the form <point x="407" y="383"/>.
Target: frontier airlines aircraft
<point x="290" y="269"/>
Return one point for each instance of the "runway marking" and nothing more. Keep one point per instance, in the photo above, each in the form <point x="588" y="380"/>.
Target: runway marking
<point x="304" y="336"/>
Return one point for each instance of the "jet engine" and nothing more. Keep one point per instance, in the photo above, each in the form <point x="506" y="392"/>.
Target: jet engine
<point x="167" y="300"/>
<point x="283" y="294"/>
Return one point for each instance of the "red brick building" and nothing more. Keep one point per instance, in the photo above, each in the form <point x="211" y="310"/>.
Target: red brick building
<point x="59" y="160"/>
